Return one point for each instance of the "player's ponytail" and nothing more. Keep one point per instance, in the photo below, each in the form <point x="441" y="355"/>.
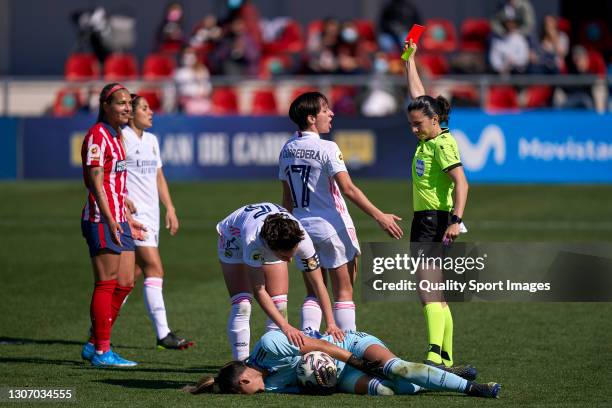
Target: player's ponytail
<point x="206" y="385"/>
<point x="439" y="107"/>
<point x="227" y="380"/>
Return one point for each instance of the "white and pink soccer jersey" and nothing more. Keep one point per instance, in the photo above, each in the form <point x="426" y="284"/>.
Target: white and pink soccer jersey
<point x="308" y="164"/>
<point x="102" y="148"/>
<point x="143" y="161"/>
<point x="239" y="240"/>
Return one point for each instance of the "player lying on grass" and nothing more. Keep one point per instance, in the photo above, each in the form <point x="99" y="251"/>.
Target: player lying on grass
<point x="364" y="366"/>
<point x="255" y="243"/>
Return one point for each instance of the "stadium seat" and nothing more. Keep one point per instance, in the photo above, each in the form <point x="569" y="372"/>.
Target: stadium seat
<point x="465" y="95"/>
<point x="501" y="97"/>
<point x="440" y="35"/>
<point x="67" y="102"/>
<point x="300" y="90"/>
<point x="158" y="66"/>
<point x="342" y="99"/>
<point x="120" y="67"/>
<point x="224" y="101"/>
<point x="290" y="40"/>
<point x="597" y="64"/>
<point x="538" y="96"/>
<point x="153" y="95"/>
<point x="474" y="34"/>
<point x="367" y="34"/>
<point x="314" y="28"/>
<point x="264" y="103"/>
<point x="82" y="67"/>
<point x="434" y="64"/>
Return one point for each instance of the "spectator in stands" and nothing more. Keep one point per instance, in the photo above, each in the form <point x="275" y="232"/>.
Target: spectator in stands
<point x="170" y="32"/>
<point x="352" y="57"/>
<point x="322" y="48"/>
<point x="520" y="11"/>
<point x="583" y="62"/>
<point x="193" y="84"/>
<point x="237" y="53"/>
<point x="395" y="20"/>
<point x="509" y="52"/>
<point x="206" y="32"/>
<point x="548" y="57"/>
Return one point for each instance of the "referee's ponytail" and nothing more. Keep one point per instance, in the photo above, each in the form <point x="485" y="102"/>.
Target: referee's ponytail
<point x="439" y="107"/>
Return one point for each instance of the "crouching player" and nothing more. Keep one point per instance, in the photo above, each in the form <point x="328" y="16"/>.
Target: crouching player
<point x="255" y="243"/>
<point x="365" y="366"/>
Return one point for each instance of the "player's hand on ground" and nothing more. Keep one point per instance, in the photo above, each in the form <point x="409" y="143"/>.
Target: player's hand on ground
<point x="388" y="223"/>
<point x="172" y="222"/>
<point x="451" y="233"/>
<point x="295" y="336"/>
<point x="335" y="332"/>
<point x="115" y="231"/>
<point x="130" y="206"/>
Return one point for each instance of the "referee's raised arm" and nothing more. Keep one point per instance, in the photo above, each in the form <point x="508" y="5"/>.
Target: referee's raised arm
<point x="413" y="81"/>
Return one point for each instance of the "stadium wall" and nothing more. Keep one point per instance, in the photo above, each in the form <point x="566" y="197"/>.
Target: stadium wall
<point x="538" y="147"/>
<point x="8" y="148"/>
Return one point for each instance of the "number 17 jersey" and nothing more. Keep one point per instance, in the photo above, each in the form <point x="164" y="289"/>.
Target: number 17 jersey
<point x="308" y="164"/>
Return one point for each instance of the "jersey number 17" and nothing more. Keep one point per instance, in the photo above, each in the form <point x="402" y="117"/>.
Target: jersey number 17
<point x="298" y="175"/>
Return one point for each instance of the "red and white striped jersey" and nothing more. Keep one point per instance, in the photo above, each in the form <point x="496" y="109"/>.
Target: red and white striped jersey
<point x="102" y="147"/>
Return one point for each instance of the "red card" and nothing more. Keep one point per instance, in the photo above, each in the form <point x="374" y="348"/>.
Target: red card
<point x="415" y="33"/>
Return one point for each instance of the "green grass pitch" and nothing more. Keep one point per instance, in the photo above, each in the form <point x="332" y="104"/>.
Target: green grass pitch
<point x="549" y="355"/>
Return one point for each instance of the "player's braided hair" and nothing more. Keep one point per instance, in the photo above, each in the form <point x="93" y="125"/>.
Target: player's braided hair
<point x="306" y="104"/>
<point x="226" y="381"/>
<point x="281" y="232"/>
<point x="439" y="106"/>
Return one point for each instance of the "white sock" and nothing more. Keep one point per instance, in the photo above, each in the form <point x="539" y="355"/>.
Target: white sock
<point x="344" y="314"/>
<point x="154" y="301"/>
<point x="311" y="314"/>
<point x="280" y="301"/>
<point x="238" y="328"/>
<point x="377" y="386"/>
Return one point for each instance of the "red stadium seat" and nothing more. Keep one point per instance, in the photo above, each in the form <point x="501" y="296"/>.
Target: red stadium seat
<point x="474" y="34"/>
<point x="342" y="99"/>
<point x="120" y="66"/>
<point x="67" y="102"/>
<point x="314" y="28"/>
<point x="440" y="35"/>
<point x="597" y="64"/>
<point x="158" y="66"/>
<point x="538" y="96"/>
<point x="224" y="101"/>
<point x="367" y="34"/>
<point x="290" y="40"/>
<point x="153" y="95"/>
<point x="434" y="64"/>
<point x="502" y="97"/>
<point x="465" y="95"/>
<point x="300" y="90"/>
<point x="264" y="102"/>
<point x="82" y="67"/>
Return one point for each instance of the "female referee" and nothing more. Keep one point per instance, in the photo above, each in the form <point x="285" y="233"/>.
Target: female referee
<point x="364" y="366"/>
<point x="104" y="223"/>
<point x="439" y="190"/>
<point x="146" y="186"/>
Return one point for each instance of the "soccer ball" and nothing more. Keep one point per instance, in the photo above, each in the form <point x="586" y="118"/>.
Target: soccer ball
<point x="316" y="373"/>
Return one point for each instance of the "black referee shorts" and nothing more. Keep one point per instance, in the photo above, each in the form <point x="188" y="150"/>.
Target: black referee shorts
<point x="426" y="233"/>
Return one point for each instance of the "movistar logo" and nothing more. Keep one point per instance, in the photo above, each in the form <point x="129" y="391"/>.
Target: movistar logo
<point x="474" y="156"/>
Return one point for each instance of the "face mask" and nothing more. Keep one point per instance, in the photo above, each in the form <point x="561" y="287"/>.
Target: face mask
<point x="381" y="65"/>
<point x="349" y="35"/>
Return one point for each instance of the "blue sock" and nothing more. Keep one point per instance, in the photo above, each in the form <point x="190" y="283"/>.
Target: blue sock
<point x="423" y="375"/>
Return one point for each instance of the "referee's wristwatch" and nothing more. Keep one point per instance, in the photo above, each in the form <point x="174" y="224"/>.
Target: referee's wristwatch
<point x="454" y="219"/>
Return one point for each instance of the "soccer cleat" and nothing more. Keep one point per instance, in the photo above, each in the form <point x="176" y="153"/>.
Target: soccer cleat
<point x="466" y="372"/>
<point x="88" y="351"/>
<point x="489" y="390"/>
<point x="173" y="342"/>
<point x="111" y="359"/>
